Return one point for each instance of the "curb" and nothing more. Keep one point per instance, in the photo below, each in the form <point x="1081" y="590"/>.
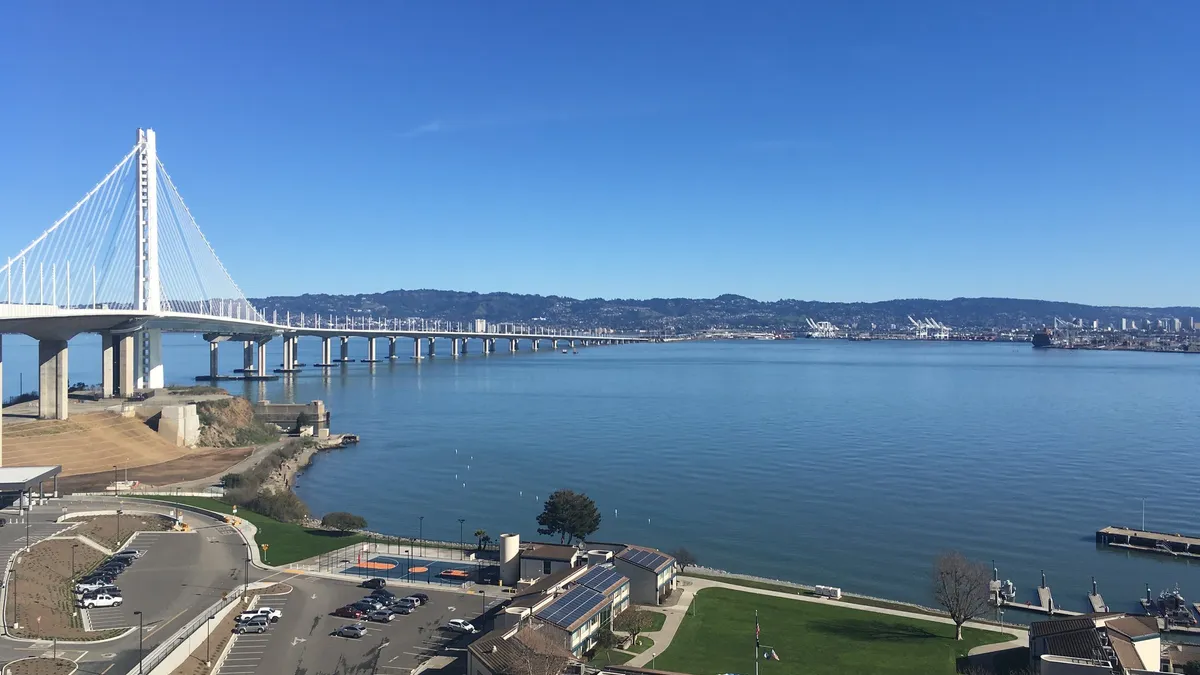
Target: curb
<point x="36" y="658"/>
<point x="216" y="667"/>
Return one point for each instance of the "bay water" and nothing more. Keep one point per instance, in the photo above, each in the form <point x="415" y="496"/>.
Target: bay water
<point x="850" y="464"/>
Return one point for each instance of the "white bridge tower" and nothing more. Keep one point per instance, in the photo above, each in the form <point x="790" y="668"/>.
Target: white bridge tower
<point x="148" y="292"/>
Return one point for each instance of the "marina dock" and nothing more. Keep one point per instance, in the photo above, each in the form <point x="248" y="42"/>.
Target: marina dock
<point x="1177" y="545"/>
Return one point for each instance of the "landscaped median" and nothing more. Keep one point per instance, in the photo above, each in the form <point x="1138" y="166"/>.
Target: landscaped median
<point x="809" y="637"/>
<point x="286" y="542"/>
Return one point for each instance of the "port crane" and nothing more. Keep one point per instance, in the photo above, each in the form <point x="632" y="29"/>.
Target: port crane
<point x="930" y="329"/>
<point x="1066" y="332"/>
<point x="821" y="329"/>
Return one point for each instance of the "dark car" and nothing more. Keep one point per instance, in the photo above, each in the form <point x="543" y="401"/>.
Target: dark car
<point x="374" y="583"/>
<point x="422" y="597"/>
<point x="365" y="606"/>
<point x="349" y="612"/>
<point x="107" y="590"/>
<point x="400" y="610"/>
<point x="382" y="595"/>
<point x="106" y="579"/>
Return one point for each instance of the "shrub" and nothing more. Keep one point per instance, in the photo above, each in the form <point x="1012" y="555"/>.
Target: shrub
<point x="340" y="520"/>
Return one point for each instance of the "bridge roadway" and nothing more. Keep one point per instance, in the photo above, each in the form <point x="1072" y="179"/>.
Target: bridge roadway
<point x="124" y="370"/>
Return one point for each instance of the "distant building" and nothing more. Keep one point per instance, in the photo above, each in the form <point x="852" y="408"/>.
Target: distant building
<point x="1191" y="323"/>
<point x="651" y="573"/>
<point x="545" y="559"/>
<point x="1124" y="324"/>
<point x="481" y="325"/>
<point x="1176" y="325"/>
<point x="1095" y="324"/>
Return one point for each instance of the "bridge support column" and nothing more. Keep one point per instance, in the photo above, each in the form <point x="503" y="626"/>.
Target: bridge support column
<point x="535" y="344"/>
<point x="391" y="348"/>
<point x="52" y="379"/>
<point x="432" y="347"/>
<point x="370" y="350"/>
<point x="150" y="366"/>
<point x="345" y="349"/>
<point x="262" y="358"/>
<point x="248" y="357"/>
<point x="572" y="344"/>
<point x="416" y="349"/>
<point x="554" y="345"/>
<point x="288" y="359"/>
<point x="124" y="355"/>
<point x="106" y="364"/>
<point x="454" y="347"/>
<point x="512" y="346"/>
<point x="214" y="363"/>
<point x="326" y="352"/>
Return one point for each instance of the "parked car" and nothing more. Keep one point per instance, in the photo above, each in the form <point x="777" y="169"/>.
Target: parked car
<point x="106" y="590"/>
<point x="354" y="630"/>
<point x="410" y="603"/>
<point x="268" y="612"/>
<point x="90" y="586"/>
<point x="349" y="612"/>
<point x="383" y="594"/>
<point x="422" y="597"/>
<point x="415" y="599"/>
<point x="400" y="610"/>
<point x="374" y="583"/>
<point x="382" y="615"/>
<point x="369" y="604"/>
<point x="130" y="553"/>
<point x="460" y="625"/>
<point x="256" y="625"/>
<point x="101" y="600"/>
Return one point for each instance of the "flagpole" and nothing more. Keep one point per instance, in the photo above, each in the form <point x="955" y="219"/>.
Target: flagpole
<point x="756" y="642"/>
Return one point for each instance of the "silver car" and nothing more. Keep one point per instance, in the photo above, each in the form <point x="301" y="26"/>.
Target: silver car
<point x="382" y="615"/>
<point x="256" y="625"/>
<point x="354" y="630"/>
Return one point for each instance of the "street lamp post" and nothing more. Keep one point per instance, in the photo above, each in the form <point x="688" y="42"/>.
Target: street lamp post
<point x="461" y="553"/>
<point x="73" y="547"/>
<point x="207" y="641"/>
<point x="139" y="616"/>
<point x="119" y="525"/>
<point x="246" y="574"/>
<point x="421" y="532"/>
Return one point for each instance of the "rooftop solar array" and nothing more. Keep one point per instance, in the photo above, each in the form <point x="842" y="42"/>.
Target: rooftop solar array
<point x="572" y="606"/>
<point x="600" y="579"/>
<point x="643" y="558"/>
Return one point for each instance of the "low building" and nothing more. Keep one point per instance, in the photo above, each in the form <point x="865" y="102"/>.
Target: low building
<point x="651" y="573"/>
<point x="539" y="560"/>
<point x="1095" y="644"/>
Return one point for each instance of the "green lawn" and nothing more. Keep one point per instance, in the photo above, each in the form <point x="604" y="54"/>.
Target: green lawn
<point x="767" y="586"/>
<point x="811" y="638"/>
<point x="609" y="657"/>
<point x="643" y="643"/>
<point x="657" y="619"/>
<point x="286" y="542"/>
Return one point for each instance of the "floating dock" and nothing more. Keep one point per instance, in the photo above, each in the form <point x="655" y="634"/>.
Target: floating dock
<point x="1176" y="545"/>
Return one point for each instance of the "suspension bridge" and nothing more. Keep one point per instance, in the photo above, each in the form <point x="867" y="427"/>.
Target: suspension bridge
<point x="129" y="262"/>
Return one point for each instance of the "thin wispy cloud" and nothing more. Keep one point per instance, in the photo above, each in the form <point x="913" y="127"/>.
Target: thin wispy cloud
<point x="424" y="129"/>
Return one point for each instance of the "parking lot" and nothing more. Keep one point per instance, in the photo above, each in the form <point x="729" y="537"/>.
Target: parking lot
<point x="159" y="547"/>
<point x="302" y="640"/>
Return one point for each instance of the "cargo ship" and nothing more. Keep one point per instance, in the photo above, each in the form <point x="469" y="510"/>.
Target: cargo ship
<point x="1041" y="339"/>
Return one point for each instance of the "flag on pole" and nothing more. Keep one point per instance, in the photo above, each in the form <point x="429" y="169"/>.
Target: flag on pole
<point x="757" y="643"/>
<point x="773" y="656"/>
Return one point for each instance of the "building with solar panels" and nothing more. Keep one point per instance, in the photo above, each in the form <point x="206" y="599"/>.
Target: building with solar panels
<point x="651" y="573"/>
<point x="590" y="604"/>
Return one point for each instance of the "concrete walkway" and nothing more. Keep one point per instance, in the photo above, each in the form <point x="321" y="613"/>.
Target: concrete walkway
<point x="675" y="613"/>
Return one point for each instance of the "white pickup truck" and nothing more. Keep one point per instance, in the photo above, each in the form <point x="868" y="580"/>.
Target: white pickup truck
<point x="101" y="600"/>
<point x="268" y="612"/>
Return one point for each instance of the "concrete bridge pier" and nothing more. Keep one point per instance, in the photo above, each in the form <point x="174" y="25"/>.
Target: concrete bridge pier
<point x="116" y="364"/>
<point x="454" y="347"/>
<point x="535" y="344"/>
<point x="572" y="344"/>
<point x="262" y="358"/>
<point x="391" y="348"/>
<point x="512" y="345"/>
<point x="416" y="349"/>
<point x="345" y="348"/>
<point x="326" y="352"/>
<point x="248" y="356"/>
<point x="554" y="345"/>
<point x="432" y="347"/>
<point x="289" y="360"/>
<point x="370" y="350"/>
<point x="52" y="379"/>
<point x="214" y="363"/>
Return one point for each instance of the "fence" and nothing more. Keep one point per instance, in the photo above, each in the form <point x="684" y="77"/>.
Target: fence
<point x="212" y="492"/>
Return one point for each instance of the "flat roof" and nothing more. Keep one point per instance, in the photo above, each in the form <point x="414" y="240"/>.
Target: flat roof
<point x="20" y="478"/>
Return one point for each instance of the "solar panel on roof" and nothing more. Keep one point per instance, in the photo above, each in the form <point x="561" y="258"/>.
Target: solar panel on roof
<point x="644" y="558"/>
<point x="600" y="579"/>
<point x="572" y="606"/>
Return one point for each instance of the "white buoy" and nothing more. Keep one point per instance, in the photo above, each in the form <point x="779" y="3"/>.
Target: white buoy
<point x="464" y="485"/>
<point x="455" y="476"/>
<point x="468" y="467"/>
<point x="614" y="513"/>
<point x="521" y="492"/>
<point x="647" y="521"/>
<point x="456" y="451"/>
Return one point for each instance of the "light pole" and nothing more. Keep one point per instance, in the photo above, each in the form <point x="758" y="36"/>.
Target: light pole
<point x="207" y="641"/>
<point x="139" y="616"/>
<point x="421" y="532"/>
<point x="73" y="547"/>
<point x="653" y="655"/>
<point x="246" y="574"/>
<point x="118" y="526"/>
<point x="461" y="553"/>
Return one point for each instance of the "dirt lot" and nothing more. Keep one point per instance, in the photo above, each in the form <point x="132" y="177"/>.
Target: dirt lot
<point x="40" y="667"/>
<point x="222" y="631"/>
<point x="112" y="531"/>
<point x="199" y="464"/>
<point x="40" y="587"/>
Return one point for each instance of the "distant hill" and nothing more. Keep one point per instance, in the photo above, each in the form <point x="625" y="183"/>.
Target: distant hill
<point x="689" y="314"/>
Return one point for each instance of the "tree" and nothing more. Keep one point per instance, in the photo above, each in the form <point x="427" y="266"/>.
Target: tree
<point x="605" y="638"/>
<point x="570" y="515"/>
<point x="537" y="653"/>
<point x="684" y="557"/>
<point x="480" y="535"/>
<point x="340" y="520"/>
<point x="960" y="586"/>
<point x="1191" y="668"/>
<point x="633" y="621"/>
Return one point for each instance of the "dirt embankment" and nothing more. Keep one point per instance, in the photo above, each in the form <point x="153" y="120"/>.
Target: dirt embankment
<point x="230" y="423"/>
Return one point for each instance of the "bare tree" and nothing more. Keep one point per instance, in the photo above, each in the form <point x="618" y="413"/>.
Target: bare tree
<point x="633" y="621"/>
<point x="960" y="586"/>
<point x="537" y="653"/>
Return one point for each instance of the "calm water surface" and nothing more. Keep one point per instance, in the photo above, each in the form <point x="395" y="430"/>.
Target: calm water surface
<point x="850" y="464"/>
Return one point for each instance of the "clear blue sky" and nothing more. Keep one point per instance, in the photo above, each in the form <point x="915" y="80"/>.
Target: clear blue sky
<point x="835" y="150"/>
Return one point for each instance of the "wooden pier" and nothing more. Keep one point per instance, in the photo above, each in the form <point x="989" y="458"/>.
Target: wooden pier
<point x="1176" y="545"/>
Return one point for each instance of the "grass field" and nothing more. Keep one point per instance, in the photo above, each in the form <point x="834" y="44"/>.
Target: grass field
<point x="286" y="542"/>
<point x="812" y="638"/>
<point x="849" y="599"/>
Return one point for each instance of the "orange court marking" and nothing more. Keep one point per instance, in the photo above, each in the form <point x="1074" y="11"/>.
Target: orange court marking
<point x="373" y="565"/>
<point x="418" y="570"/>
